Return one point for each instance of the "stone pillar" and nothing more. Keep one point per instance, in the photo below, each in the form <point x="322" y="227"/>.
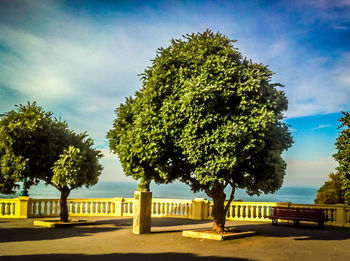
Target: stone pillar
<point x="340" y="216"/>
<point x="205" y="210"/>
<point x="142" y="212"/>
<point x="21" y="209"/>
<point x="197" y="212"/>
<point x="118" y="211"/>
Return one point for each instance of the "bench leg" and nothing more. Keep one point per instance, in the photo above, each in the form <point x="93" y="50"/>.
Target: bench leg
<point x="296" y="223"/>
<point x="274" y="222"/>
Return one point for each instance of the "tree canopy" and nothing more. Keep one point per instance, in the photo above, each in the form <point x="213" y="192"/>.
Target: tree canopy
<point x="36" y="146"/>
<point x="343" y="154"/>
<point x="207" y="117"/>
<point x="331" y="192"/>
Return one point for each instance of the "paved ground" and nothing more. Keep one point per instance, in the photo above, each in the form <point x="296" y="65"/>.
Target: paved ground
<point x="111" y="239"/>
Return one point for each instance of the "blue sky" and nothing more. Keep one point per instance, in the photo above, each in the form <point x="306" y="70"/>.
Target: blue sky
<point x="80" y="61"/>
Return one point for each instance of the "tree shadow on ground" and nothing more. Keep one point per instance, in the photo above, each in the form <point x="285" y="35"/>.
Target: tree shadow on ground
<point x="34" y="234"/>
<point x="124" y="257"/>
<point x="172" y="225"/>
<point x="166" y="222"/>
<point x="156" y="222"/>
<point x="306" y="231"/>
<point x="160" y="225"/>
<point x="117" y="222"/>
<point x="24" y="231"/>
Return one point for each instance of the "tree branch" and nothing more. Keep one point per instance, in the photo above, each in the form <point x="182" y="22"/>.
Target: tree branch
<point x="232" y="195"/>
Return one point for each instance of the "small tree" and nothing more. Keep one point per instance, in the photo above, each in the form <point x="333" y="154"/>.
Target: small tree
<point x="331" y="191"/>
<point x="36" y="146"/>
<point x="207" y="117"/>
<point x="343" y="154"/>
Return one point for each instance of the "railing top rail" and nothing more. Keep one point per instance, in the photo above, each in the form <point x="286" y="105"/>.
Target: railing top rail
<point x="91" y="199"/>
<point x="172" y="200"/>
<point x="313" y="205"/>
<point x="8" y="200"/>
<point x="252" y="203"/>
<point x="128" y="199"/>
<point x="44" y="199"/>
<point x="79" y="198"/>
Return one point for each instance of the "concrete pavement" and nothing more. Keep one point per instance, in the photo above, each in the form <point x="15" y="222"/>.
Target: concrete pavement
<point x="111" y="239"/>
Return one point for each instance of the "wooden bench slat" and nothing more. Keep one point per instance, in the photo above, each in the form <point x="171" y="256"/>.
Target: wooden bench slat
<point x="298" y="214"/>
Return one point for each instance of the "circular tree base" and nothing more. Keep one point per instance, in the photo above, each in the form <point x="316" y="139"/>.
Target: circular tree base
<point x="210" y="234"/>
<point x="58" y="223"/>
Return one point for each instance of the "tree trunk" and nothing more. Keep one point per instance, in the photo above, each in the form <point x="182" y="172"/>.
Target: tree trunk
<point x="63" y="205"/>
<point x="219" y="211"/>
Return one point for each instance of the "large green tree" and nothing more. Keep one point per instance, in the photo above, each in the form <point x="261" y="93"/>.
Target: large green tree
<point x="36" y="146"/>
<point x="205" y="116"/>
<point x="343" y="154"/>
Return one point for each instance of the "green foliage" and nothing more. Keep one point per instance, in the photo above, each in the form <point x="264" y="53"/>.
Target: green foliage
<point x="7" y="185"/>
<point x="343" y="154"/>
<point x="35" y="145"/>
<point x="30" y="141"/>
<point x="207" y="117"/>
<point x="331" y="191"/>
<point x="77" y="166"/>
<point x="11" y="169"/>
<point x="204" y="115"/>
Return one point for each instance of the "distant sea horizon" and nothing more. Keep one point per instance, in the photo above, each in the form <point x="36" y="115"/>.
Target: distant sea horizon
<point x="177" y="190"/>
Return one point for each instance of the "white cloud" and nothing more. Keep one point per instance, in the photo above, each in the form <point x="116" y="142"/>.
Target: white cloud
<point x="322" y="126"/>
<point x="313" y="88"/>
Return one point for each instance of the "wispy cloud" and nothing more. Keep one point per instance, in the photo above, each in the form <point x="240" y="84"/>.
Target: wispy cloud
<point x="312" y="87"/>
<point x="341" y="27"/>
<point x="327" y="5"/>
<point x="321" y="126"/>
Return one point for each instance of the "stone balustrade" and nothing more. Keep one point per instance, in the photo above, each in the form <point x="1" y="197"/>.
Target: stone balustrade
<point x="171" y="208"/>
<point x="199" y="209"/>
<point x="8" y="208"/>
<point x="249" y="211"/>
<point x="43" y="207"/>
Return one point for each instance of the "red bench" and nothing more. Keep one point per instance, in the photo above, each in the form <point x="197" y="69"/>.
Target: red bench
<point x="298" y="214"/>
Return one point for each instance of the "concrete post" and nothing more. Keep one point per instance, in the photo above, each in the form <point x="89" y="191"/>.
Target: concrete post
<point x="142" y="212"/>
<point x="198" y="207"/>
<point x="340" y="218"/>
<point x="118" y="211"/>
<point x="21" y="209"/>
<point x="205" y="209"/>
